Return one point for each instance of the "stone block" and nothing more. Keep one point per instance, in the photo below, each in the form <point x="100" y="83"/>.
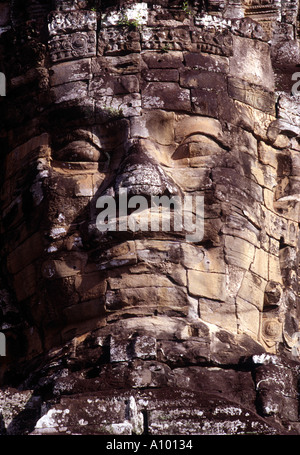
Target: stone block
<point x="206" y="62"/>
<point x="162" y="250"/>
<point x="127" y="281"/>
<point x="275" y="273"/>
<point x="251" y="62"/>
<point x="191" y="78"/>
<point x="166" y="95"/>
<point x="192" y="352"/>
<point x="278" y="227"/>
<point x="73" y="45"/>
<point x="204" y="260"/>
<point x="264" y="175"/>
<point x="276" y="385"/>
<point x="248" y="318"/>
<point x="239" y="252"/>
<point x="25" y="254"/>
<point x="144" y="347"/>
<point x="134" y="346"/>
<point x="239" y="226"/>
<point x="61" y="22"/>
<point x="113" y="85"/>
<point x="161" y="299"/>
<point x="65" y="72"/>
<point x="206" y="102"/>
<point x="123" y="64"/>
<point x="157" y="75"/>
<point x="160" y="128"/>
<point x="163" y="61"/>
<point x="252" y="290"/>
<point x="84" y="186"/>
<point x="260" y="265"/>
<point x="25" y="283"/>
<point x="253" y="95"/>
<point x="12" y="403"/>
<point x="90" y="286"/>
<point x="120" y="106"/>
<point x="76" y="414"/>
<point x="231" y="177"/>
<point x="69" y="92"/>
<point x="166" y="39"/>
<point x="23" y="153"/>
<point x="138" y="127"/>
<point x="117" y="256"/>
<point x="117" y="41"/>
<point x="267" y="154"/>
<point x="211" y="40"/>
<point x="209" y="285"/>
<point x="70" y="265"/>
<point x="218" y="313"/>
<point x="235" y="277"/>
<point x="84" y="312"/>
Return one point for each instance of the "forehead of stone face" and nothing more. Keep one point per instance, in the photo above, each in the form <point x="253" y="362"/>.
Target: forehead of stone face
<point x="208" y="58"/>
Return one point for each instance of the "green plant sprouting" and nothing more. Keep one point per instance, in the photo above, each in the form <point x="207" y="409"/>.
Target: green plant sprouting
<point x="186" y="8"/>
<point x="130" y="23"/>
<point x="94" y="5"/>
<point x="113" y="112"/>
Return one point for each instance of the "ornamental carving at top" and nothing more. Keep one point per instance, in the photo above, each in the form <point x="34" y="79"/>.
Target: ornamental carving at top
<point x="150" y="201"/>
<point x="61" y="23"/>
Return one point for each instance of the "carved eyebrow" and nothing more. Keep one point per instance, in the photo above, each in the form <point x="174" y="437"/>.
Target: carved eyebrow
<point x="207" y="136"/>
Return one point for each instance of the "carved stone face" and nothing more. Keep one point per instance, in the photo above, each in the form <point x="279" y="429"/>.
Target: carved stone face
<point x="171" y="106"/>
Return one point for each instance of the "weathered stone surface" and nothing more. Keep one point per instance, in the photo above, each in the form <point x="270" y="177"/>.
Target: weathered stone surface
<point x="254" y="96"/>
<point x="61" y="23"/>
<point x="197" y="60"/>
<point x="252" y="63"/>
<point x="160" y="95"/>
<point x="211" y="416"/>
<point x="125" y="64"/>
<point x="111" y="44"/>
<point x="206" y="79"/>
<point x="74" y="45"/>
<point x="70" y="72"/>
<point x="200" y="286"/>
<point x="118" y="121"/>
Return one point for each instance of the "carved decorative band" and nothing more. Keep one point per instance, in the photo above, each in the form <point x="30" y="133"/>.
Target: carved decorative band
<point x="114" y="41"/>
<point x="74" y="45"/>
<point x="196" y="39"/>
<point x="72" y="21"/>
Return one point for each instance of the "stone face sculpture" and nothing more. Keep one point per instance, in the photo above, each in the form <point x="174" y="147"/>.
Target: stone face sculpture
<point x="164" y="99"/>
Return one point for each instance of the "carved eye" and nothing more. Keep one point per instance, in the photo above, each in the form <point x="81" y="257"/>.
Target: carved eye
<point x="78" y="146"/>
<point x="79" y="151"/>
<point x="197" y="145"/>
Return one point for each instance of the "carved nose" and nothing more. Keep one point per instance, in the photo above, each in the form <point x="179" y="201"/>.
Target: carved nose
<point x="141" y="175"/>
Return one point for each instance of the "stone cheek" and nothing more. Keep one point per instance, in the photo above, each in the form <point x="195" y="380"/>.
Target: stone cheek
<point x="145" y="319"/>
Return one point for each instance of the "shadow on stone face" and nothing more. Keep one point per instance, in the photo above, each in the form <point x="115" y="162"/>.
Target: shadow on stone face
<point x="126" y="345"/>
